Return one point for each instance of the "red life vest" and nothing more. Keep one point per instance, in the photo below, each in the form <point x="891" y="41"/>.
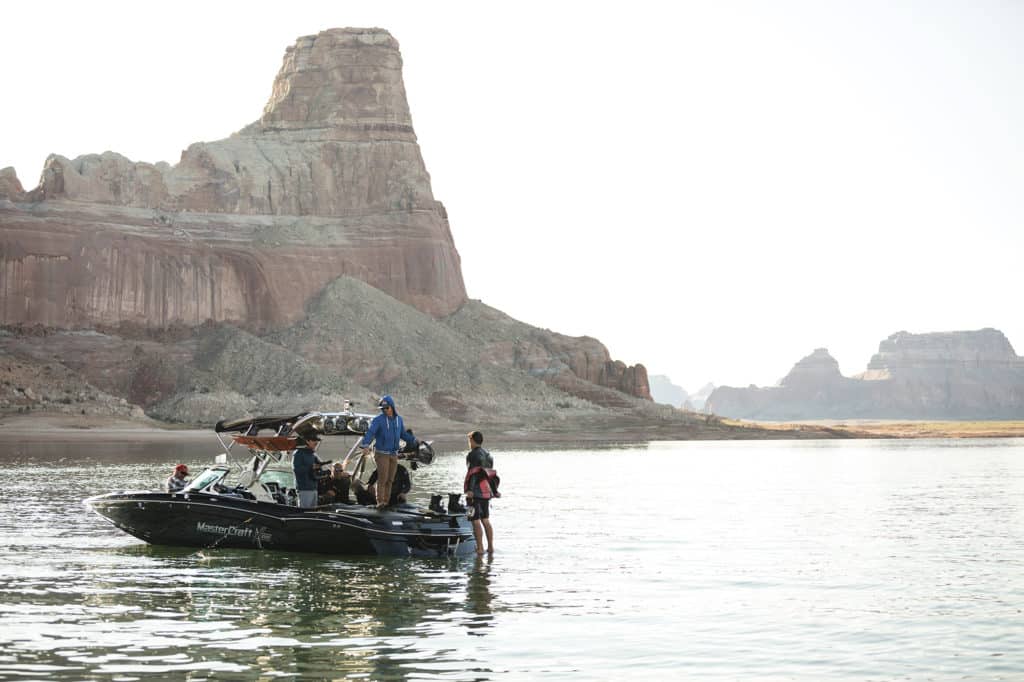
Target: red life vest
<point x="483" y="483"/>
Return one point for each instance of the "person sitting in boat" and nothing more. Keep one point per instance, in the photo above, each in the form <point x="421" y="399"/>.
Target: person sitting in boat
<point x="367" y="495"/>
<point x="304" y="461"/>
<point x="385" y="433"/>
<point x="335" y="487"/>
<point x="177" y="481"/>
<point x="324" y="492"/>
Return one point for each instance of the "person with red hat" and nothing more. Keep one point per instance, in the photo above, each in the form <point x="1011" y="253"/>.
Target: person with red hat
<point x="177" y="481"/>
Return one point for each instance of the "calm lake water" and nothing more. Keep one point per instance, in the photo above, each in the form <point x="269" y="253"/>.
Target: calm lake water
<point x="858" y="560"/>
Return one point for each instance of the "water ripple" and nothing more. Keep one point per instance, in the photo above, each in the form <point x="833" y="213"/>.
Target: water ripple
<point x="736" y="560"/>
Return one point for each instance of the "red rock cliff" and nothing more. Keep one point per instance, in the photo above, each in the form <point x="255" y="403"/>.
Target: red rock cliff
<point x="328" y="182"/>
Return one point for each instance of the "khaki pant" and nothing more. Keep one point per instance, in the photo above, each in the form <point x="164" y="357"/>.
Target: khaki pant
<point x="387" y="467"/>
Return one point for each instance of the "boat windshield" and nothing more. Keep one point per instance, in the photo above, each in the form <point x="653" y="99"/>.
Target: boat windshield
<point x="283" y="478"/>
<point x="206" y="479"/>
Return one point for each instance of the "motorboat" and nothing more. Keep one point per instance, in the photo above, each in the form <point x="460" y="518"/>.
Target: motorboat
<point x="250" y="501"/>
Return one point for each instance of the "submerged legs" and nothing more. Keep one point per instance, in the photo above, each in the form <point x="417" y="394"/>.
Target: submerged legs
<point x="480" y="529"/>
<point x="478" y="535"/>
<point x="489" y="532"/>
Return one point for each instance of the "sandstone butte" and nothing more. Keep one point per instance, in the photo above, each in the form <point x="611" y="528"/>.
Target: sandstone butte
<point x="329" y="182"/>
<point x="960" y="375"/>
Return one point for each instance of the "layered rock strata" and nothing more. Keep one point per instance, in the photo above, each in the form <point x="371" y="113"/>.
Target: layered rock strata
<point x="10" y="186"/>
<point x="580" y="366"/>
<point x="355" y="343"/>
<point x="251" y="231"/>
<point x="329" y="181"/>
<point x="943" y="375"/>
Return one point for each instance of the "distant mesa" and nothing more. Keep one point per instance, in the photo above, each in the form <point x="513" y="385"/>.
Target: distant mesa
<point x="239" y="245"/>
<point x="665" y="392"/>
<point x="699" y="399"/>
<point x="940" y="375"/>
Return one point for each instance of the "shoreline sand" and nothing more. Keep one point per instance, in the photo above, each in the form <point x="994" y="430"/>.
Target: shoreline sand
<point x="63" y="427"/>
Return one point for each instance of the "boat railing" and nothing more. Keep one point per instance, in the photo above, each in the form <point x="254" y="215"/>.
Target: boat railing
<point x="288" y="431"/>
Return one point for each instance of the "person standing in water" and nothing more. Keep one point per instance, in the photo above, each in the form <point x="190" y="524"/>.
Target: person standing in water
<point x="480" y="485"/>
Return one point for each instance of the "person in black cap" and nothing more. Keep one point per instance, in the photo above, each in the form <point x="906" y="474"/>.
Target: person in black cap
<point x="304" y="461"/>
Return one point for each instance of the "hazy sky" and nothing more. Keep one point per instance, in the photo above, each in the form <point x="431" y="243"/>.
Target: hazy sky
<point x="713" y="189"/>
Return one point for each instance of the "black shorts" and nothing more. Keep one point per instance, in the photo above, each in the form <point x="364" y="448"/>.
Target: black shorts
<point x="479" y="510"/>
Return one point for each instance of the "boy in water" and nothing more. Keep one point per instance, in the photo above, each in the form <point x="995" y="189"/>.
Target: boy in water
<point x="480" y="485"/>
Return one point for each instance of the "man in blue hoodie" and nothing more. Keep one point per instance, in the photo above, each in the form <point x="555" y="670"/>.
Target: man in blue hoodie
<point x="386" y="429"/>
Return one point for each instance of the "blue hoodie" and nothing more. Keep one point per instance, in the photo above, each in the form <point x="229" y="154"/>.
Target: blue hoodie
<point x="387" y="431"/>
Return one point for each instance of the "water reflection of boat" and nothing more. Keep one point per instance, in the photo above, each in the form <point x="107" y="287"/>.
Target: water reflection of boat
<point x="252" y="505"/>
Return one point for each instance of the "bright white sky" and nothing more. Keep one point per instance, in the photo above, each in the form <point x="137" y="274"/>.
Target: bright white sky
<point x="713" y="189"/>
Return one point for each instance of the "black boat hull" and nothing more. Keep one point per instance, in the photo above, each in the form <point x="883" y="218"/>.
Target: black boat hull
<point x="205" y="520"/>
